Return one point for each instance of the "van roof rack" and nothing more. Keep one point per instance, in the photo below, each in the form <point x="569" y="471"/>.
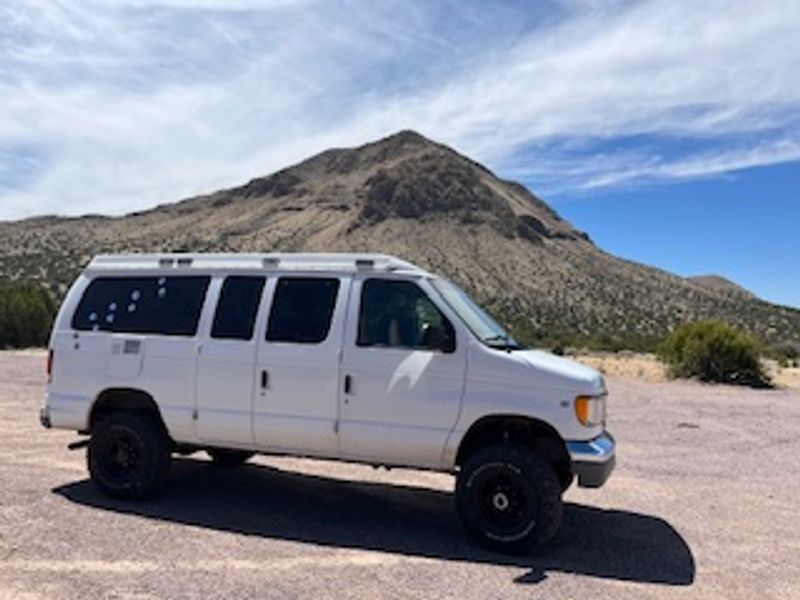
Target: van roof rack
<point x="271" y="261"/>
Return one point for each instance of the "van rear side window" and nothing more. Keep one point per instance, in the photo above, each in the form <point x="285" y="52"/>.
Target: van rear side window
<point x="155" y="305"/>
<point x="302" y="310"/>
<point x="237" y="308"/>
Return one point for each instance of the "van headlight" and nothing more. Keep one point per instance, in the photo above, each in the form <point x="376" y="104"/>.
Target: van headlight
<point x="591" y="410"/>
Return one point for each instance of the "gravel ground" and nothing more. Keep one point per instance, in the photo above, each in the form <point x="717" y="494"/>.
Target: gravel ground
<point x="703" y="505"/>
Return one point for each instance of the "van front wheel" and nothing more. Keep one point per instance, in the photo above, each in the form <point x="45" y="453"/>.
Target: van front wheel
<point x="509" y="498"/>
<point x="129" y="456"/>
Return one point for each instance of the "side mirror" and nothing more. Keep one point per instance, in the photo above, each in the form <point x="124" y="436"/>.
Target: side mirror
<point x="438" y="338"/>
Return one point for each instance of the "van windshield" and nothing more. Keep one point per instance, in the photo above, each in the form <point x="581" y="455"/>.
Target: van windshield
<point x="479" y="322"/>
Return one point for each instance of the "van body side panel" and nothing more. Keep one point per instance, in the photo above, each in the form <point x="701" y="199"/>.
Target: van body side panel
<point x="72" y="388"/>
<point x="503" y="383"/>
<point x="168" y="375"/>
<point x="86" y="364"/>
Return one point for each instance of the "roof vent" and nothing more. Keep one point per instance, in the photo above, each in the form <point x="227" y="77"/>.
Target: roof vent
<point x="271" y="262"/>
<point x="364" y="264"/>
<point x="165" y="262"/>
<point x="185" y="262"/>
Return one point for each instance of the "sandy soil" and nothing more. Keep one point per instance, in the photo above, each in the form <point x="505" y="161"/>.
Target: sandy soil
<point x="702" y="505"/>
<point x="786" y="377"/>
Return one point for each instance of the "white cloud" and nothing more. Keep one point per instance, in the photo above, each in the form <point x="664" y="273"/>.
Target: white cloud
<point x="139" y="102"/>
<point x="572" y="175"/>
<point x="221" y="5"/>
<point x="698" y="165"/>
<point x="694" y="69"/>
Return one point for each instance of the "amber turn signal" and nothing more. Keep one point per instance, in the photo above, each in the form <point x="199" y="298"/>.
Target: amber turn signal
<point x="590" y="410"/>
<point x="582" y="404"/>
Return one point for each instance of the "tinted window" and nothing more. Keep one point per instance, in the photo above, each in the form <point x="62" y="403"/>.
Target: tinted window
<point x="398" y="314"/>
<point x="162" y="305"/>
<point x="302" y="309"/>
<point x="237" y="307"/>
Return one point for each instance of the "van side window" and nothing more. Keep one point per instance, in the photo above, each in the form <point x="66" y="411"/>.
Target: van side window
<point x="399" y="314"/>
<point x="236" y="311"/>
<point x="302" y="309"/>
<point x="156" y="305"/>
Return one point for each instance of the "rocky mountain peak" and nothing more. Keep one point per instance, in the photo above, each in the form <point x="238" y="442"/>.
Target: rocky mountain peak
<point x="408" y="176"/>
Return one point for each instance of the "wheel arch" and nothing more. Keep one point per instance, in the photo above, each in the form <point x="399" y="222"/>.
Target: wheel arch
<point x="538" y="435"/>
<point x="123" y="399"/>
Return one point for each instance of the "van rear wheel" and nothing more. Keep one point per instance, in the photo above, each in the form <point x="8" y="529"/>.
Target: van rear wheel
<point x="509" y="498"/>
<point x="129" y="455"/>
<point x="229" y="458"/>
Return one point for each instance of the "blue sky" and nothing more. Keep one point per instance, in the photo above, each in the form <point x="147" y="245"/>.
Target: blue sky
<point x="743" y="226"/>
<point x="667" y="129"/>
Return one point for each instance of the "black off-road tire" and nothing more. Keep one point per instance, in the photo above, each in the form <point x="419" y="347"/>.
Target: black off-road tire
<point x="129" y="455"/>
<point x="509" y="498"/>
<point x="566" y="481"/>
<point x="229" y="458"/>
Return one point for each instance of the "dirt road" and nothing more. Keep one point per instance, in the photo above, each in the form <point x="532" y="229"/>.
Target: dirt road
<point x="703" y="505"/>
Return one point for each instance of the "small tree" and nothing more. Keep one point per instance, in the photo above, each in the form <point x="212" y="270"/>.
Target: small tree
<point x="26" y="314"/>
<point x="714" y="351"/>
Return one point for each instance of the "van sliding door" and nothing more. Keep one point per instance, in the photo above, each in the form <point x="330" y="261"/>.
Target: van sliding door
<point x="297" y="364"/>
<point x="226" y="364"/>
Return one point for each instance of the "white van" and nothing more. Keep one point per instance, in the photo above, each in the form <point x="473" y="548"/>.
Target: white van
<point x="364" y="358"/>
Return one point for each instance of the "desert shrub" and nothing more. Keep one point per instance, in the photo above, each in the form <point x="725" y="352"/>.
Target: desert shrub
<point x="714" y="351"/>
<point x="26" y="314"/>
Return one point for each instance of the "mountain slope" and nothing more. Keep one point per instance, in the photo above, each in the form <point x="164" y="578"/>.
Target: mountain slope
<point x="408" y="196"/>
<point x="719" y="284"/>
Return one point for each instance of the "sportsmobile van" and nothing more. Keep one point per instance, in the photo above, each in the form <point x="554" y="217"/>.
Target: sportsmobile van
<point x="363" y="358"/>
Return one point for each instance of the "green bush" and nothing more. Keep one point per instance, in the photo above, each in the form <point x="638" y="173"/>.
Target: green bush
<point x="714" y="351"/>
<point x="26" y="314"/>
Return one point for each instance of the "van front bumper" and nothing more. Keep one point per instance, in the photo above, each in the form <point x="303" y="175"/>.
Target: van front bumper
<point x="593" y="460"/>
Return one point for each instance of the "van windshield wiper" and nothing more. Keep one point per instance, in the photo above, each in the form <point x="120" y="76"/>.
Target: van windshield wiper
<point x="502" y="341"/>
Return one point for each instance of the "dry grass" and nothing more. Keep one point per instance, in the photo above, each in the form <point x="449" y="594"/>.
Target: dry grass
<point x="648" y="368"/>
<point x="625" y="364"/>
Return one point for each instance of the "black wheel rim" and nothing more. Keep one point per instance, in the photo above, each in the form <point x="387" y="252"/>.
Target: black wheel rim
<point x="120" y="457"/>
<point x="504" y="500"/>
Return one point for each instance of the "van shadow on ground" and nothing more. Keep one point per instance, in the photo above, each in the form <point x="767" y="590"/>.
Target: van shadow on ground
<point x="272" y="503"/>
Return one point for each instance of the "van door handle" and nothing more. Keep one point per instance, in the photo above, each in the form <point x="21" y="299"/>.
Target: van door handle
<point x="264" y="379"/>
<point x="348" y="384"/>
